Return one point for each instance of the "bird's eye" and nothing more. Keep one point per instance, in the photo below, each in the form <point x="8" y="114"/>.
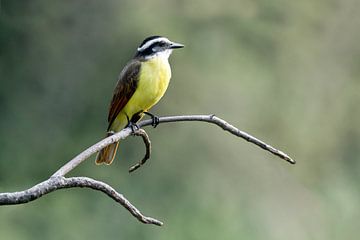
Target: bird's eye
<point x="162" y="44"/>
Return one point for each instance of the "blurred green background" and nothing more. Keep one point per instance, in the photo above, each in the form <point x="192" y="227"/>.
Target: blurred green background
<point x="285" y="71"/>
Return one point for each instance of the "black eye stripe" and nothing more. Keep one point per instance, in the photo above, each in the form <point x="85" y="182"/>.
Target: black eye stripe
<point x="162" y="44"/>
<point x="155" y="44"/>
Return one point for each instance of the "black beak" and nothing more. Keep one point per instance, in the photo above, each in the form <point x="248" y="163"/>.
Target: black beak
<point x="176" y="45"/>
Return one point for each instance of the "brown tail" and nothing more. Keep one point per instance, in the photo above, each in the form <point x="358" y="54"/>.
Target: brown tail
<point x="107" y="154"/>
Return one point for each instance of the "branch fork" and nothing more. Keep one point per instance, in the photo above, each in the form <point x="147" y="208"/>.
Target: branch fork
<point x="59" y="181"/>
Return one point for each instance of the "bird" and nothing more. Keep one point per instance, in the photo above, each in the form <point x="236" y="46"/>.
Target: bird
<point x="141" y="84"/>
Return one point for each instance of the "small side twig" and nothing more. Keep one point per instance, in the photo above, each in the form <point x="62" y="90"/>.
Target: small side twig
<point x="146" y="139"/>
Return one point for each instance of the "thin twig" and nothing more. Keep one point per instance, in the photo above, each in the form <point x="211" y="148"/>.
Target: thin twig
<point x="146" y="139"/>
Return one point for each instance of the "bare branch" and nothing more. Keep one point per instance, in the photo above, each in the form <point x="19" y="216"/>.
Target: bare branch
<point x="58" y="181"/>
<point x="146" y="139"/>
<point x="185" y="118"/>
<point x="225" y="126"/>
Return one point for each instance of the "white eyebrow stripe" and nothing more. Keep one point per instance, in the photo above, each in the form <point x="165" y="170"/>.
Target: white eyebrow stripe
<point x="148" y="44"/>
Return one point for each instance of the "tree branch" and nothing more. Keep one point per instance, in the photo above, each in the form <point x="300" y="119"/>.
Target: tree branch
<point x="226" y="127"/>
<point x="58" y="181"/>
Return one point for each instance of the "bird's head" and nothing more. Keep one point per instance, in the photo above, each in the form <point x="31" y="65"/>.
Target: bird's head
<point x="156" y="46"/>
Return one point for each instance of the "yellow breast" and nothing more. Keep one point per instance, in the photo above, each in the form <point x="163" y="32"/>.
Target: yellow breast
<point x="154" y="79"/>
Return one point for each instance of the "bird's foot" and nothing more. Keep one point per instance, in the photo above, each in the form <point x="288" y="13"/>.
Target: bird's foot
<point x="134" y="127"/>
<point x="155" y="119"/>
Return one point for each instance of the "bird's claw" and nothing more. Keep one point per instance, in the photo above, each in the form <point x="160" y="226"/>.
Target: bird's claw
<point x="155" y="119"/>
<point x="134" y="127"/>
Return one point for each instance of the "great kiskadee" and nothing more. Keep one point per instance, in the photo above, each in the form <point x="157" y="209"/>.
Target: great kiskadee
<point x="141" y="84"/>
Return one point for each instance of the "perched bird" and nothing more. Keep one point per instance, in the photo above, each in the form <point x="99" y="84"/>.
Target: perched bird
<point x="141" y="84"/>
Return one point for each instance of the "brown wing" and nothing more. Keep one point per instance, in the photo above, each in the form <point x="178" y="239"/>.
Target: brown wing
<point x="124" y="89"/>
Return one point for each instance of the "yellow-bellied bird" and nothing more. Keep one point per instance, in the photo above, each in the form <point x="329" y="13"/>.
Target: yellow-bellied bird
<point x="141" y="84"/>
